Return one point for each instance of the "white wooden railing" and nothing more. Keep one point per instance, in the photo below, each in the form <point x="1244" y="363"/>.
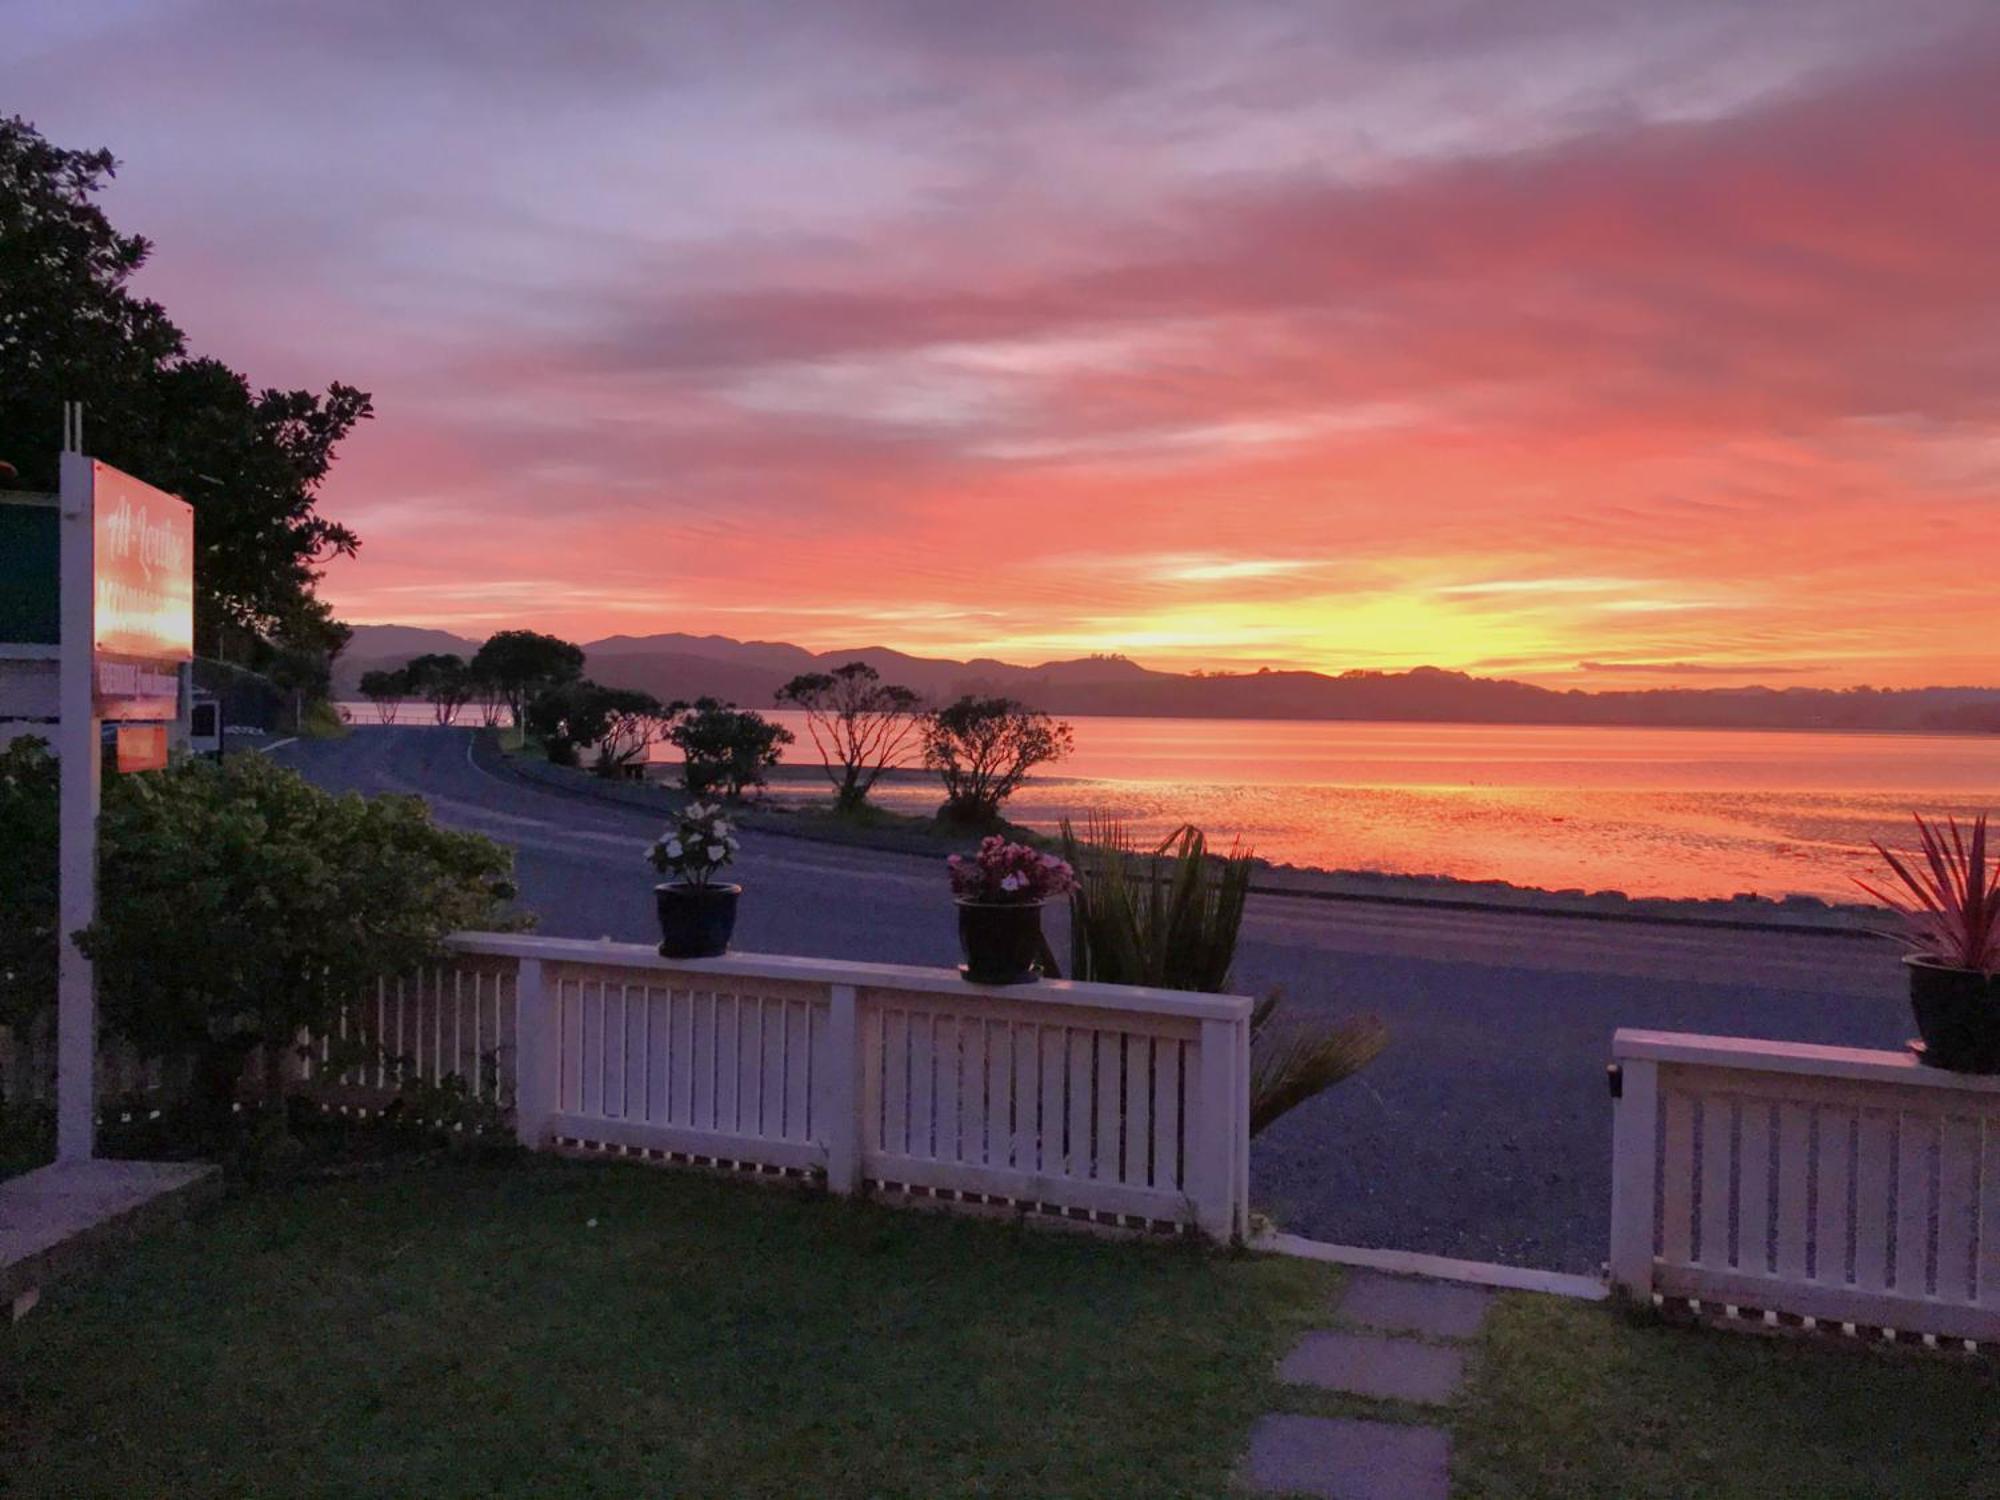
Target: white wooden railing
<point x="1848" y="1186"/>
<point x="1106" y="1101"/>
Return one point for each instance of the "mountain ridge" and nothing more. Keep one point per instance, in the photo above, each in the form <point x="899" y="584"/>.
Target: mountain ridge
<point x="675" y="664"/>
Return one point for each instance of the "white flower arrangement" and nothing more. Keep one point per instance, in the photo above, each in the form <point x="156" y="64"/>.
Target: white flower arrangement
<point x="695" y="845"/>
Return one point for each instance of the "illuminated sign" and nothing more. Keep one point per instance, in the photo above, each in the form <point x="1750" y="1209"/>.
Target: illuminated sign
<point x="144" y="546"/>
<point x="142" y="747"/>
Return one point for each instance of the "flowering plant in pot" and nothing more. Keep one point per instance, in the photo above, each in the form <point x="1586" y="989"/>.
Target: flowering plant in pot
<point x="1950" y="905"/>
<point x="697" y="912"/>
<point x="1000" y="893"/>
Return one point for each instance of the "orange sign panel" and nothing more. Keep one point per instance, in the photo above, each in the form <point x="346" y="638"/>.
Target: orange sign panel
<point x="144" y="543"/>
<point x="142" y="747"/>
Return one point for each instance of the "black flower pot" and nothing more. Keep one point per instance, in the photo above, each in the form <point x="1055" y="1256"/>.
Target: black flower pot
<point x="696" y="920"/>
<point x="1958" y="1016"/>
<point x="1002" y="941"/>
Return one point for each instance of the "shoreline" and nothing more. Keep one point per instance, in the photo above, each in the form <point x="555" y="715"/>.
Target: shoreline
<point x="899" y="833"/>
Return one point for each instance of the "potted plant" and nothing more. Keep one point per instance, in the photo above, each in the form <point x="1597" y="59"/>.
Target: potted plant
<point x="1950" y="905"/>
<point x="697" y="912"/>
<point x="1000" y="893"/>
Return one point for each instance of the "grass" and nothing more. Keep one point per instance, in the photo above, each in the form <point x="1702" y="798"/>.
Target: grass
<point x="1579" y="1401"/>
<point x="595" y="1329"/>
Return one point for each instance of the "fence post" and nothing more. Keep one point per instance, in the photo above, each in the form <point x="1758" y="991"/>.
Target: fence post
<point x="843" y="1092"/>
<point x="1635" y="1114"/>
<point x="535" y="1057"/>
<point x="1221" y="1131"/>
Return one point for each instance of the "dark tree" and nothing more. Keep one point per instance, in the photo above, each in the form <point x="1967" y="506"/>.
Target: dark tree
<point x="28" y="841"/>
<point x="860" y="725"/>
<point x="249" y="461"/>
<point x="726" y="749"/>
<point x="386" y="690"/>
<point x="622" y="723"/>
<point x="441" y="680"/>
<point x="983" y="748"/>
<point x="518" y="664"/>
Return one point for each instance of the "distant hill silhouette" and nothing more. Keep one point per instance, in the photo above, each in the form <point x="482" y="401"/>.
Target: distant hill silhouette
<point x="677" y="665"/>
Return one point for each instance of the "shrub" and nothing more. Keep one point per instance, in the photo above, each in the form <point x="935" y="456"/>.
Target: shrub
<point x="726" y="749"/>
<point x="983" y="748"/>
<point x="28" y="824"/>
<point x="240" y="905"/>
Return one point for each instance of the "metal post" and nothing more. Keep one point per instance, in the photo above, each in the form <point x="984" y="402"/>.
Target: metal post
<point x="78" y="746"/>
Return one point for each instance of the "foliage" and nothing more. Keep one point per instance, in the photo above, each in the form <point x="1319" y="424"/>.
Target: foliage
<point x="1171" y="919"/>
<point x="518" y="664"/>
<point x="623" y="723"/>
<point x="588" y="1328"/>
<point x="240" y="904"/>
<point x="696" y="845"/>
<point x="1952" y="909"/>
<point x="386" y="689"/>
<point x="1009" y="873"/>
<point x="726" y="749"/>
<point x="249" y="462"/>
<point x="440" y="679"/>
<point x="983" y="748"/>
<point x="28" y="838"/>
<point x="860" y="725"/>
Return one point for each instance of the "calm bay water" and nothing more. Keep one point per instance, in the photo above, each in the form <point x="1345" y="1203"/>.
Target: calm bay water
<point x="1652" y="812"/>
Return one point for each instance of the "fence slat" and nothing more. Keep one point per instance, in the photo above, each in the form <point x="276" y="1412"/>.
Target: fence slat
<point x="1795" y="1174"/>
<point x="1718" y="1122"/>
<point x="1957" y="1208"/>
<point x="1022" y="1149"/>
<point x="944" y="1099"/>
<point x="1753" y="1187"/>
<point x="1677" y="1179"/>
<point x="1914" y="1136"/>
<point x="972" y="1091"/>
<point x="1833" y="1221"/>
<point x="1875" y="1144"/>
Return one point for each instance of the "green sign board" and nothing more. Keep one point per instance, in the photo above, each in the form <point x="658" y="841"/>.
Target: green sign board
<point x="30" y="612"/>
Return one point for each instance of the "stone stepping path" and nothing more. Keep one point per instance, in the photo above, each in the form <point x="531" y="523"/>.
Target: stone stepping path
<point x="1401" y="1340"/>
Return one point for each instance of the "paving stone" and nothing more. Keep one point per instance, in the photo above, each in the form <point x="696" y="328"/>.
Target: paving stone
<point x="1337" y="1458"/>
<point x="1371" y="1364"/>
<point x="1396" y="1304"/>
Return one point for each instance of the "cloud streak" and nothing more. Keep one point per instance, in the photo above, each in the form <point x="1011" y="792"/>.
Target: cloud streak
<point x="1563" y="334"/>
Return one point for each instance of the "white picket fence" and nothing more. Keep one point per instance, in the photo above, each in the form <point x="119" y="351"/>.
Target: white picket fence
<point x="1106" y="1101"/>
<point x="1846" y="1186"/>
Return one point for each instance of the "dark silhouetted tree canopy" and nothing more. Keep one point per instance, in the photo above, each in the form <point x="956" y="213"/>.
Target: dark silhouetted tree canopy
<point x="249" y="461"/>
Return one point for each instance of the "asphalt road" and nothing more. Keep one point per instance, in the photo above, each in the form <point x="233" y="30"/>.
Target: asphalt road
<point x="1483" y="1132"/>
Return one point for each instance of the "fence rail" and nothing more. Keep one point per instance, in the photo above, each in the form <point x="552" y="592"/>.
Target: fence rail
<point x="1843" y="1185"/>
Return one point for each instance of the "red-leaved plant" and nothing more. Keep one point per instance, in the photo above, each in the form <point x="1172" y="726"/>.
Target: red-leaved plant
<point x="1952" y="908"/>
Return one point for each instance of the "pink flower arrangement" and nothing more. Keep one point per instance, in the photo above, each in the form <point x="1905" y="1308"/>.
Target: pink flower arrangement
<point x="1005" y="872"/>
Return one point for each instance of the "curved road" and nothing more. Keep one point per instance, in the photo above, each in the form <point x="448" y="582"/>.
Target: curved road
<point x="1483" y="1132"/>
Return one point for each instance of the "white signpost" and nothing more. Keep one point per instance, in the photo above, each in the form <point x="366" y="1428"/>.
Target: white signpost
<point x="127" y="624"/>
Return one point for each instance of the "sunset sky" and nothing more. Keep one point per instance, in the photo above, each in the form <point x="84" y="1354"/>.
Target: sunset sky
<point x="1599" y="344"/>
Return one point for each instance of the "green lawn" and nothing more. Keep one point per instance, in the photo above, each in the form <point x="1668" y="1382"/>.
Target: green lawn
<point x="559" y="1328"/>
<point x="591" y="1329"/>
<point x="1578" y="1401"/>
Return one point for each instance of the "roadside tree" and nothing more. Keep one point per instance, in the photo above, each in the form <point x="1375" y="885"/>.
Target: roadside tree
<point x="518" y="664"/>
<point x="982" y="748"/>
<point x="386" y="689"/>
<point x="726" y="749"/>
<point x="861" y="725"/>
<point x="441" y="680"/>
